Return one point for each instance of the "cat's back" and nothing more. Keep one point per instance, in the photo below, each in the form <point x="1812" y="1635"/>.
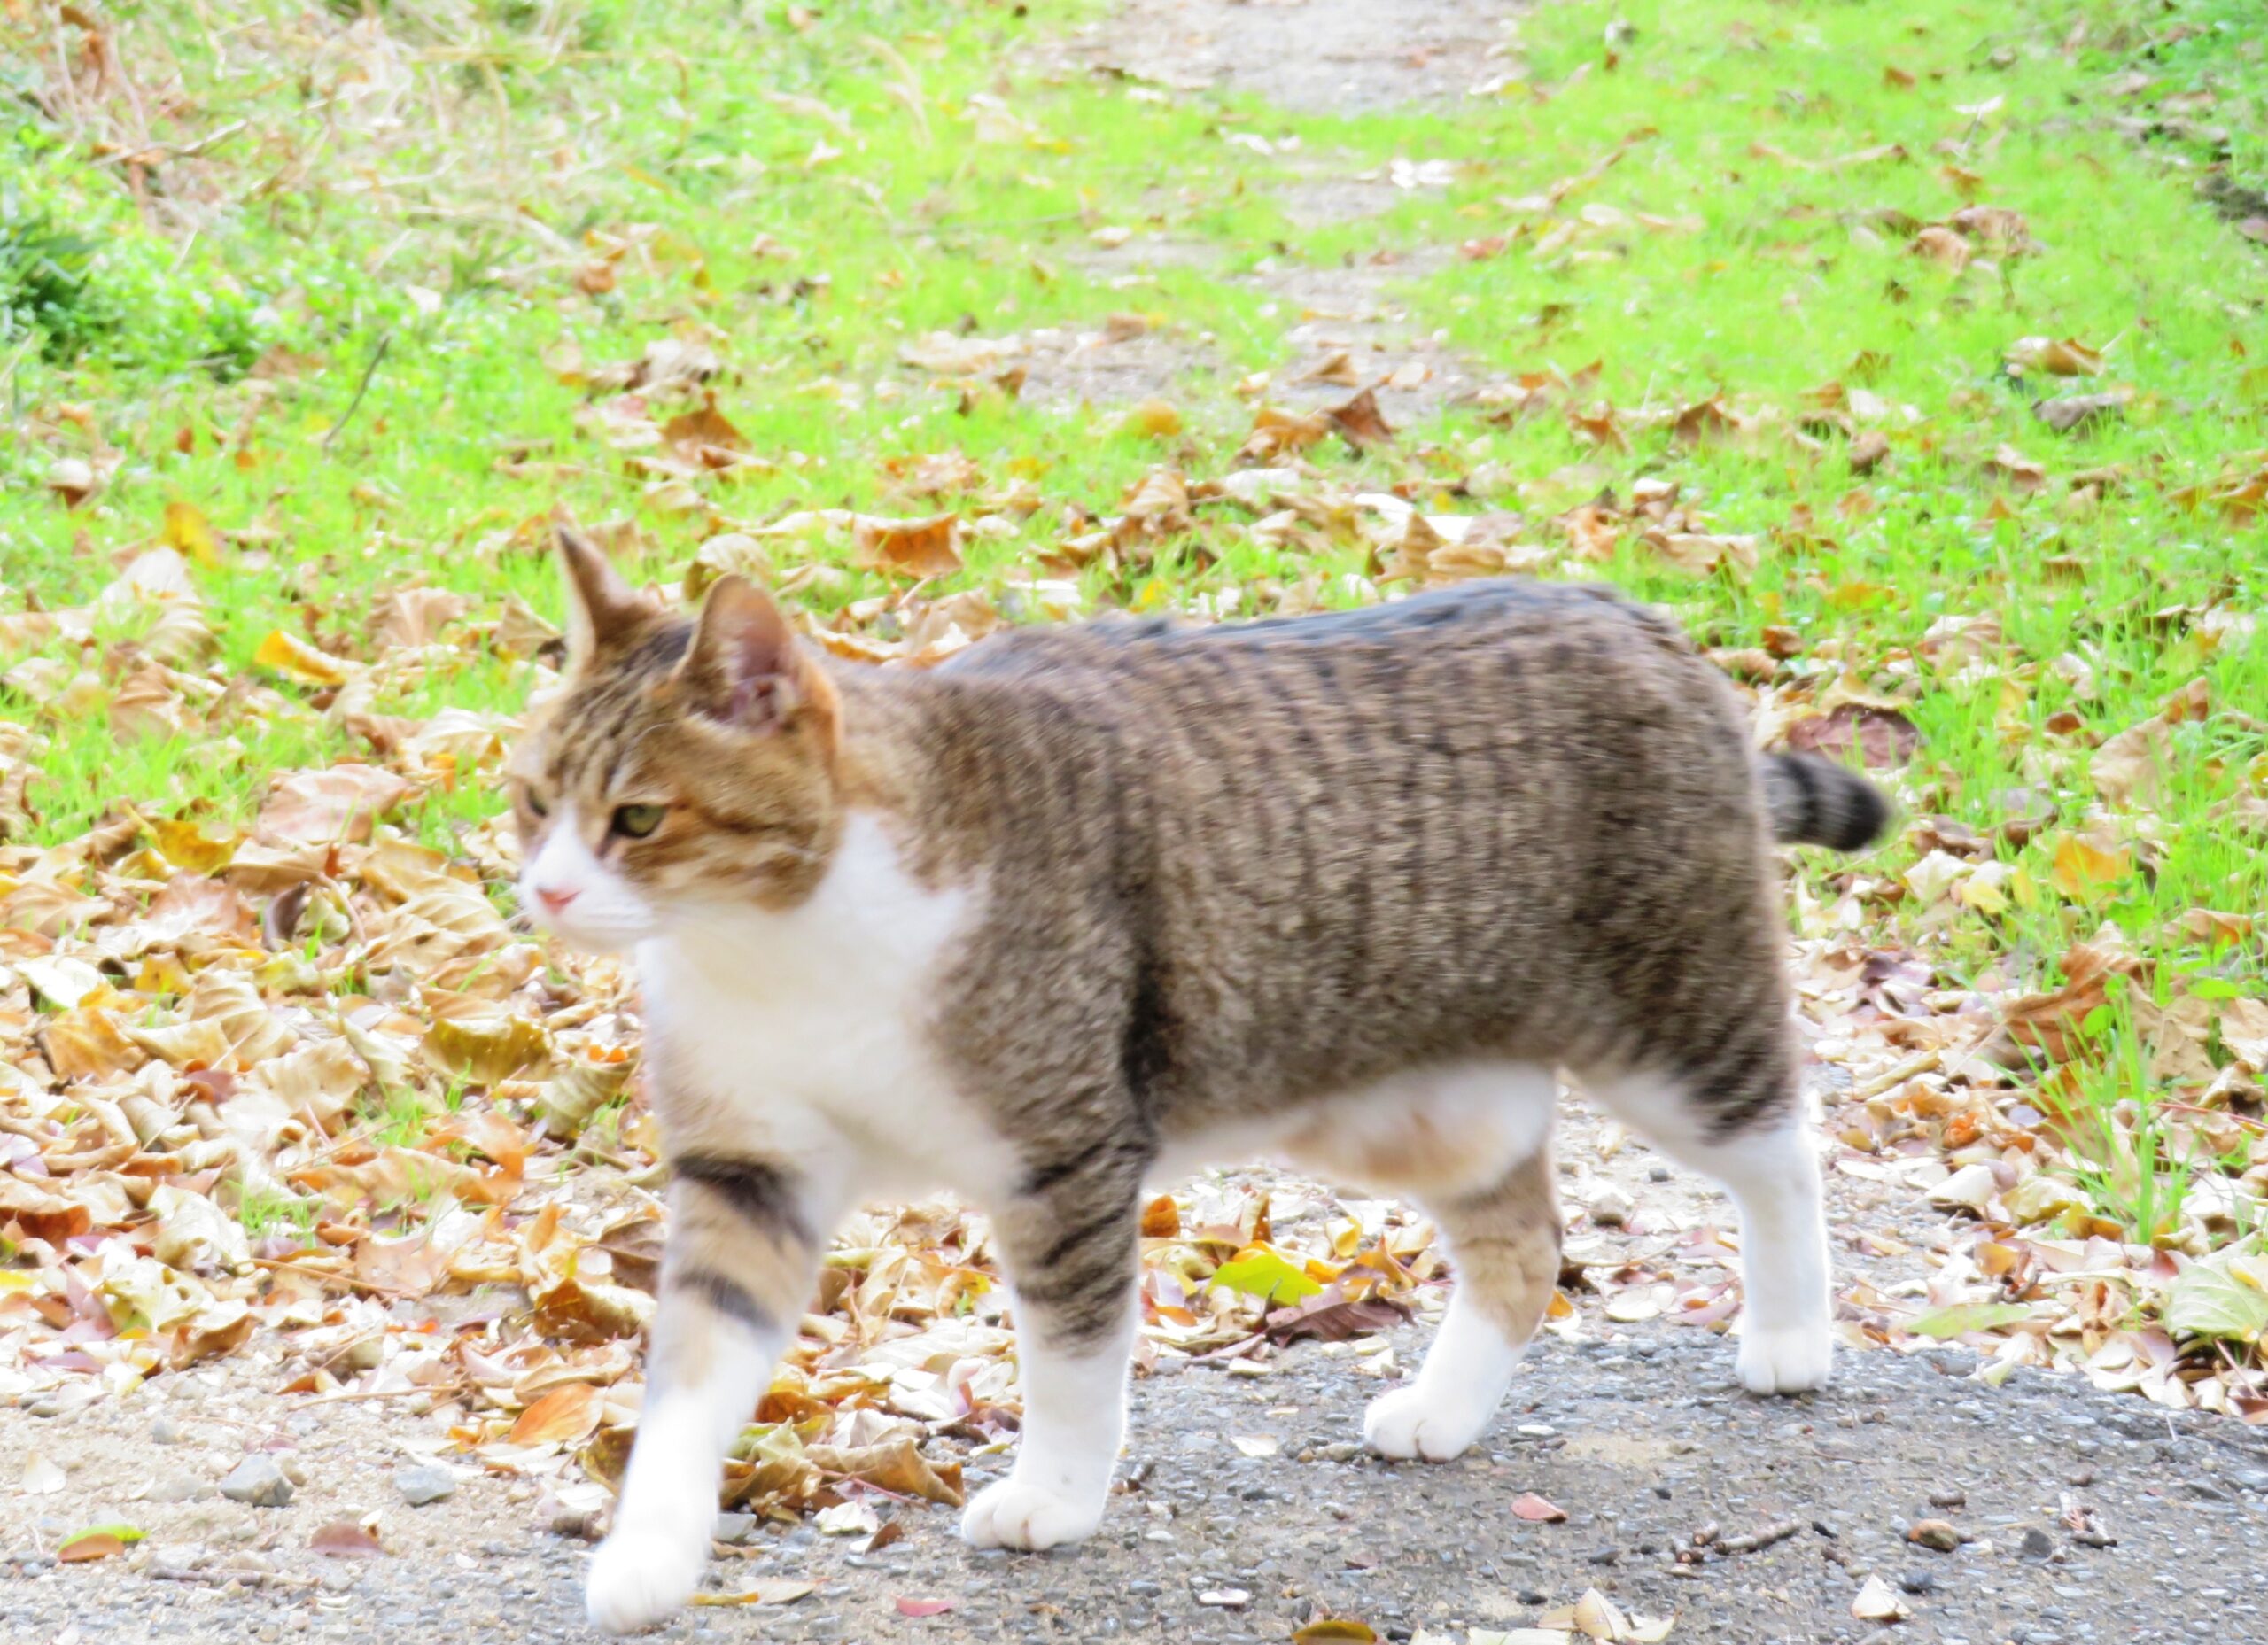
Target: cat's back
<point x="1501" y="663"/>
<point x="1475" y="621"/>
<point x="1438" y="826"/>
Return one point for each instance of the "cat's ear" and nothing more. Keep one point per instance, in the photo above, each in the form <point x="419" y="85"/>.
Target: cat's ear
<point x="745" y="666"/>
<point x="602" y="609"/>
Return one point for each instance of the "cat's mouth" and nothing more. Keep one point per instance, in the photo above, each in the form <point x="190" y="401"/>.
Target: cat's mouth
<point x="604" y="925"/>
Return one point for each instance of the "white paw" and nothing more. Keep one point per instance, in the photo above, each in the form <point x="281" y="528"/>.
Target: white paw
<point x="638" y="1581"/>
<point x="1412" y="1422"/>
<point x="1785" y="1359"/>
<point x="1017" y="1513"/>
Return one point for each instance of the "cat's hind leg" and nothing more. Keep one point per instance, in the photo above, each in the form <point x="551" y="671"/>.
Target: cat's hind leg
<point x="1504" y="1240"/>
<point x="1763" y="1151"/>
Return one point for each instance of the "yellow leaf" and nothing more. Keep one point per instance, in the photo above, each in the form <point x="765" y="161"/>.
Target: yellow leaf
<point x="188" y="530"/>
<point x="194" y="845"/>
<point x="2083" y="871"/>
<point x="298" y="660"/>
<point x="1156" y="419"/>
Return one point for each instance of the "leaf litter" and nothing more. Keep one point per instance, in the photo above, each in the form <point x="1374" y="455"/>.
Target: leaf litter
<point x="276" y="1075"/>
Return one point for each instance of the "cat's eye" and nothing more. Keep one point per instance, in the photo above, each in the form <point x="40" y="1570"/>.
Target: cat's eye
<point x="635" y="822"/>
<point x="535" y="801"/>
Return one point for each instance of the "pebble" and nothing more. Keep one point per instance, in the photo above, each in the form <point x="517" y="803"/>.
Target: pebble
<point x="166" y="1431"/>
<point x="1949" y="1496"/>
<point x="178" y="1488"/>
<point x="259" y="1481"/>
<point x="579" y="1523"/>
<point x="2036" y="1544"/>
<point x="1935" y="1533"/>
<point x="420" y="1486"/>
<point x="1612" y="1208"/>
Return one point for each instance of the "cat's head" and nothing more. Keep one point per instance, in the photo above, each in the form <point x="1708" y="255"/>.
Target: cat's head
<point x="682" y="766"/>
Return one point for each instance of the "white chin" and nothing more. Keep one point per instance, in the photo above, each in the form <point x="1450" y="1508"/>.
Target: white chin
<point x="597" y="941"/>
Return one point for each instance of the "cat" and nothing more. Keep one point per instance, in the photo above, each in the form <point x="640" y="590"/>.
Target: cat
<point x="1085" y="907"/>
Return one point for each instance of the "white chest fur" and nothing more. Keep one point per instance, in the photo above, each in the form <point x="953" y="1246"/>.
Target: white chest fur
<point x="804" y="1031"/>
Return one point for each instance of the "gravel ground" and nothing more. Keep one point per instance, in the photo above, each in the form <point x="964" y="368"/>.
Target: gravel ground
<point x="1644" y="1442"/>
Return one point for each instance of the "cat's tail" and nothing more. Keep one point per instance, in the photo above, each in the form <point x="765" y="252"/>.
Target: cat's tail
<point x="1814" y="802"/>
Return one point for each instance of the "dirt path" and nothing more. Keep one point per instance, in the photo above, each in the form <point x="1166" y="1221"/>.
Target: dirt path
<point x="1331" y="57"/>
<point x="1643" y="1442"/>
<point x="1343" y="325"/>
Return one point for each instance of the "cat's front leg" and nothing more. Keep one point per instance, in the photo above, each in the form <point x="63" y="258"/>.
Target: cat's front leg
<point x="736" y="1274"/>
<point x="1071" y="1254"/>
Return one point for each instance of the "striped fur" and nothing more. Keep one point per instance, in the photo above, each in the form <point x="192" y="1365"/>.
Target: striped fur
<point x="1351" y="885"/>
<point x="1813" y="802"/>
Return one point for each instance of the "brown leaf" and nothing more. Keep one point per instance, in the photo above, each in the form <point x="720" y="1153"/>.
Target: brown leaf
<point x="2082" y="410"/>
<point x="2011" y="465"/>
<point x="1528" y="1506"/>
<point x="1329" y="1316"/>
<point x="347" y="1539"/>
<point x="43" y="1215"/>
<point x="335" y="805"/>
<point x="928" y="547"/>
<point x="1161" y="1218"/>
<point x="1275" y="433"/>
<point x="1995" y="228"/>
<point x="2065" y="358"/>
<point x="1883" y="737"/>
<point x="566" y="1415"/>
<point x="1942" y="245"/>
<point x="1705" y="423"/>
<point x="1360" y="422"/>
<point x="93" y="1545"/>
<point x="926" y="1607"/>
<point x="574" y="1311"/>
<point x="895" y="1465"/>
<point x="415" y="617"/>
<point x="705" y="437"/>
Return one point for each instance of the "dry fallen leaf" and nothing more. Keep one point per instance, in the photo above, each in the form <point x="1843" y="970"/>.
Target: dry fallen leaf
<point x="345" y="1538"/>
<point x="566" y="1415"/>
<point x="928" y="547"/>
<point x="1878" y="1603"/>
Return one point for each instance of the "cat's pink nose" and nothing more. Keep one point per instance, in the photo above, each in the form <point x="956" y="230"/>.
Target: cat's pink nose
<point x="554" y="899"/>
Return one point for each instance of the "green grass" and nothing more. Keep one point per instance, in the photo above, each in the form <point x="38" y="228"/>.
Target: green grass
<point x="581" y="180"/>
<point x="272" y="1211"/>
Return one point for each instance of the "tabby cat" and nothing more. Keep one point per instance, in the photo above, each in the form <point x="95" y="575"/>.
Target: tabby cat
<point x="1085" y="907"/>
